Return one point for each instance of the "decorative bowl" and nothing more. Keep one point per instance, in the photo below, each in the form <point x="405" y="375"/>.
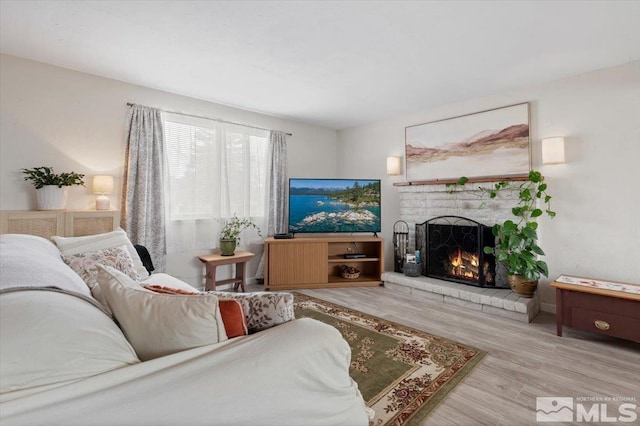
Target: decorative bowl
<point x="349" y="272"/>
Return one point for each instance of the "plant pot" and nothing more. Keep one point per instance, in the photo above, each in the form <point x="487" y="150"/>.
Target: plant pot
<point x="227" y="247"/>
<point x="521" y="286"/>
<point x="51" y="197"/>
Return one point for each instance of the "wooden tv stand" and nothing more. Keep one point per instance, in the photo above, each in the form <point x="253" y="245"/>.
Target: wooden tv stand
<point x="314" y="262"/>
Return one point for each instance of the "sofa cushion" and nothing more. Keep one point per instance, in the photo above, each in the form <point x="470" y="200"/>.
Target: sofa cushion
<point x="160" y="324"/>
<point x="262" y="309"/>
<point x="85" y="264"/>
<point x="166" y="280"/>
<point x="50" y="338"/>
<point x="112" y="274"/>
<point x="235" y="323"/>
<point x="117" y="238"/>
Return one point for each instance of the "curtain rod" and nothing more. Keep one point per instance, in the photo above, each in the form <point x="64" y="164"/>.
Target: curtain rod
<point x="209" y="118"/>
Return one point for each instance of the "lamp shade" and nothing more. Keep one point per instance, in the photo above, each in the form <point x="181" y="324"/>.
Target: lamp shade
<point x="394" y="165"/>
<point x="553" y="150"/>
<point x="103" y="184"/>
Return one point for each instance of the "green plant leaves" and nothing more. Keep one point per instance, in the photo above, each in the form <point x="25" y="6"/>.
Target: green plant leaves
<point x="509" y="226"/>
<point x="529" y="232"/>
<point x="525" y="195"/>
<point x="43" y="176"/>
<point x="535" y="176"/>
<point x="516" y="242"/>
<point x="233" y="228"/>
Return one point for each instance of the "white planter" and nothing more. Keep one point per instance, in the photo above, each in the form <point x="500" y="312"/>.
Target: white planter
<point x="50" y="197"/>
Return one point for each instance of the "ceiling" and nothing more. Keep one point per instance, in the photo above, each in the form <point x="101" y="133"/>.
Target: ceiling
<point x="336" y="64"/>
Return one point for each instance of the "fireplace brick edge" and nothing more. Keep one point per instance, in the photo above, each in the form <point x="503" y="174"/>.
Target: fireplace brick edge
<point x="499" y="302"/>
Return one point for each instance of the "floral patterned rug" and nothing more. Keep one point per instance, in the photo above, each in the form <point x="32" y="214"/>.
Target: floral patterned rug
<point x="402" y="373"/>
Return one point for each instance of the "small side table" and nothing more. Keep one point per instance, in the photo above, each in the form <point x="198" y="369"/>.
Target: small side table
<point x="212" y="261"/>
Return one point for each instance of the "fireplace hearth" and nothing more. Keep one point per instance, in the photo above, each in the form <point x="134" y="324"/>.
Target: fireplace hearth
<point x="452" y="249"/>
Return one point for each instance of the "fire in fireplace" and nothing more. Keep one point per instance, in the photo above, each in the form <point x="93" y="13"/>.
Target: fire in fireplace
<point x="463" y="264"/>
<point x="452" y="249"/>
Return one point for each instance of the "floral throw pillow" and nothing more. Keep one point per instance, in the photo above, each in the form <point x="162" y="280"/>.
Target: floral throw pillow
<point x="262" y="309"/>
<point x="85" y="264"/>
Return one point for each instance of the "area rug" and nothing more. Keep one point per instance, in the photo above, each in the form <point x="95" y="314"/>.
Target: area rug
<point x="402" y="373"/>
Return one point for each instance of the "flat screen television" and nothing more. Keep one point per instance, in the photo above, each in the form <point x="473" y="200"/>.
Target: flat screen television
<point x="334" y="205"/>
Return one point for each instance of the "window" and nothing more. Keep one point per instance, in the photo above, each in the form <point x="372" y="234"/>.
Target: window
<point x="214" y="171"/>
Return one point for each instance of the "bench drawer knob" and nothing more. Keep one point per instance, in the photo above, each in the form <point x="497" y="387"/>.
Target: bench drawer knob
<point x="602" y="325"/>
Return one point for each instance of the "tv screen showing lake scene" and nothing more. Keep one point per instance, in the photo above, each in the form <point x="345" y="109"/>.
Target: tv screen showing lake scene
<point x="334" y="205"/>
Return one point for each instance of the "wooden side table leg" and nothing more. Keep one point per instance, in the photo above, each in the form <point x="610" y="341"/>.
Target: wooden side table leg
<point x="210" y="283"/>
<point x="559" y="312"/>
<point x="241" y="273"/>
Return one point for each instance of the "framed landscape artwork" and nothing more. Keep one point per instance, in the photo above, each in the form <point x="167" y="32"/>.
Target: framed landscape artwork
<point x="484" y="144"/>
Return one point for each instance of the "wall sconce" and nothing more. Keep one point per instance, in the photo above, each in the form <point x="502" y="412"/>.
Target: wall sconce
<point x="103" y="185"/>
<point x="553" y="150"/>
<point x="394" y="166"/>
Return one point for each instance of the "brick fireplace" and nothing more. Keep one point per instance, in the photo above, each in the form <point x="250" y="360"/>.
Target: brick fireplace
<point x="422" y="202"/>
<point x="419" y="203"/>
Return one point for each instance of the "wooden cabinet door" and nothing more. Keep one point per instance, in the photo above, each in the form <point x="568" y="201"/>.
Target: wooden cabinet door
<point x="297" y="263"/>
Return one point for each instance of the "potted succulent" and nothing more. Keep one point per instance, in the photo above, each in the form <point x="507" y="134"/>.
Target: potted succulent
<point x="517" y="240"/>
<point x="230" y="234"/>
<point x="52" y="189"/>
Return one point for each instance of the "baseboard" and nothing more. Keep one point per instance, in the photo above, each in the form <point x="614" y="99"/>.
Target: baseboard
<point x="548" y="307"/>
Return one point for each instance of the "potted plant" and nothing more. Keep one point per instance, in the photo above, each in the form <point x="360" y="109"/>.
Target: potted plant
<point x="52" y="189"/>
<point x="517" y="240"/>
<point x="230" y="234"/>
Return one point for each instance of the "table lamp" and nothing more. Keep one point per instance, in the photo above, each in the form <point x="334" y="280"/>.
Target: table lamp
<point x="103" y="185"/>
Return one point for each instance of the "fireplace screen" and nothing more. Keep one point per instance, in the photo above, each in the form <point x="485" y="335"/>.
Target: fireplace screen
<point x="452" y="249"/>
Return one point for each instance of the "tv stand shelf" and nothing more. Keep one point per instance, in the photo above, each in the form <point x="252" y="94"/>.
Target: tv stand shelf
<point x="340" y="259"/>
<point x="314" y="262"/>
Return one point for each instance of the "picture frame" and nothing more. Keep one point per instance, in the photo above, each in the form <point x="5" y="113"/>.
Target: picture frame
<point x="488" y="144"/>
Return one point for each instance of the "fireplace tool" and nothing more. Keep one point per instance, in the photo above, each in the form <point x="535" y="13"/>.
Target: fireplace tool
<point x="400" y="244"/>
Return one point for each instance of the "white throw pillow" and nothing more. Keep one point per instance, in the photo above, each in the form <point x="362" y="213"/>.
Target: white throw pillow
<point x="105" y="273"/>
<point x="161" y="324"/>
<point x="85" y="264"/>
<point x="166" y="280"/>
<point x="117" y="238"/>
<point x="30" y="261"/>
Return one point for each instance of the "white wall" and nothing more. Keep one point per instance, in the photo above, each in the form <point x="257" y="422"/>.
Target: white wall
<point x="595" y="194"/>
<point x="69" y="120"/>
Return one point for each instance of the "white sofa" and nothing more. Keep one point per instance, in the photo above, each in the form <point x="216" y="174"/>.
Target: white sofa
<point x="63" y="361"/>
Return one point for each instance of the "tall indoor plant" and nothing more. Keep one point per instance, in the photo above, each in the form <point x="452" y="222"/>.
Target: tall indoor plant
<point x="230" y="234"/>
<point x="52" y="188"/>
<point x="517" y="240"/>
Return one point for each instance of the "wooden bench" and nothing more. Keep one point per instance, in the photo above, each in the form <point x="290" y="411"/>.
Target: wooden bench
<point x="607" y="307"/>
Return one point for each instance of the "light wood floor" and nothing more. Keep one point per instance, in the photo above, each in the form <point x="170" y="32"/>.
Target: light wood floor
<point x="524" y="361"/>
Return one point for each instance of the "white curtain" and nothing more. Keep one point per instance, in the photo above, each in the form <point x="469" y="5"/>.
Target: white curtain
<point x="278" y="185"/>
<point x="214" y="171"/>
<point x="277" y="192"/>
<point x="143" y="194"/>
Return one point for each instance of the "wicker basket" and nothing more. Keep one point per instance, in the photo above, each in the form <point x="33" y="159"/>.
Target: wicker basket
<point x="350" y="276"/>
<point x="348" y="272"/>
